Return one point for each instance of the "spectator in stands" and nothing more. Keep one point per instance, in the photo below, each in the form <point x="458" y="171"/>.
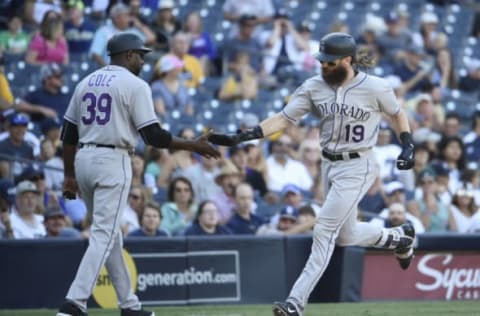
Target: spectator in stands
<point x="238" y="156"/>
<point x="463" y="209"/>
<point x="151" y="220"/>
<point x="287" y="219"/>
<point x="53" y="166"/>
<point x="245" y="42"/>
<point x="14" y="40"/>
<point x="415" y="75"/>
<point x="393" y="42"/>
<point x="283" y="170"/>
<point x="471" y="81"/>
<point x="48" y="101"/>
<point x="283" y="48"/>
<point x="310" y="64"/>
<point x="292" y="196"/>
<point x="227" y="179"/>
<point x="244" y="221"/>
<point x="135" y="7"/>
<point x="168" y="89"/>
<point x="207" y="221"/>
<point x="25" y="223"/>
<point x="47" y="198"/>
<point x="50" y="129"/>
<point x="310" y="156"/>
<point x="15" y="145"/>
<point x="56" y="225"/>
<point x="192" y="69"/>
<point x="241" y="82"/>
<point x="79" y="31"/>
<point x="202" y="175"/>
<point x="165" y="25"/>
<point x="120" y="22"/>
<point x="451" y="125"/>
<point x="395" y="194"/>
<point x="422" y="158"/>
<point x="201" y="42"/>
<point x="472" y="139"/>
<point x="7" y="199"/>
<point x="452" y="151"/>
<point x="133" y="212"/>
<point x="425" y="38"/>
<point x="233" y="11"/>
<point x="444" y="74"/>
<point x="49" y="44"/>
<point x="435" y="215"/>
<point x="179" y="212"/>
<point x="397" y="215"/>
<point x="139" y="177"/>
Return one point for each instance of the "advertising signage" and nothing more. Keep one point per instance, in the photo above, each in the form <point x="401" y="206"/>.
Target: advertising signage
<point x="433" y="276"/>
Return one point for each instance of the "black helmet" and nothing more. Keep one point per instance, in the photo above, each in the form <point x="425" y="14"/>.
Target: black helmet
<point x="336" y="45"/>
<point x="121" y="42"/>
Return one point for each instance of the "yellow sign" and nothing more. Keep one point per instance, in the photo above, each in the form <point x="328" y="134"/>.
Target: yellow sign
<point x="104" y="293"/>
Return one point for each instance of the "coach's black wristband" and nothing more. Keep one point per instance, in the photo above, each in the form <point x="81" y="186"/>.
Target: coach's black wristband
<point x="251" y="133"/>
<point x="406" y="139"/>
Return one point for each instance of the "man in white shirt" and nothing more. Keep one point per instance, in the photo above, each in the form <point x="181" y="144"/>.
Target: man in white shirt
<point x="283" y="170"/>
<point x="25" y="223"/>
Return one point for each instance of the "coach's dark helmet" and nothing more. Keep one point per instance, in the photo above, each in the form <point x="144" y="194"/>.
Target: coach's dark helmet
<point x="336" y="45"/>
<point x="122" y="42"/>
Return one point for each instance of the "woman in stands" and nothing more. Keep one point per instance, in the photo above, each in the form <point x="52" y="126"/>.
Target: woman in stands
<point x="201" y="43"/>
<point x="463" y="208"/>
<point x="49" y="44"/>
<point x="179" y="212"/>
<point x="206" y="222"/>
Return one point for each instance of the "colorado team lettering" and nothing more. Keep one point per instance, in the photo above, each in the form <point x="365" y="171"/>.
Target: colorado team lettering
<point x="325" y="109"/>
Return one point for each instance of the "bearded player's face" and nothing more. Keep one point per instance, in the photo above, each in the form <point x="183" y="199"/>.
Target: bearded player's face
<point x="334" y="73"/>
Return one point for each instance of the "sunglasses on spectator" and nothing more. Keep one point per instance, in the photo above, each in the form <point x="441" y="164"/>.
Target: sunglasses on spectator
<point x="177" y="189"/>
<point x="134" y="196"/>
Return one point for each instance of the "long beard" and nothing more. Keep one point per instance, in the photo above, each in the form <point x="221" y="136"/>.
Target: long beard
<point x="335" y="76"/>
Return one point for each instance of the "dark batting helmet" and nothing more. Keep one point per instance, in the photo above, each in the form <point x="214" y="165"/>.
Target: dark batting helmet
<point x="336" y="45"/>
<point x="125" y="41"/>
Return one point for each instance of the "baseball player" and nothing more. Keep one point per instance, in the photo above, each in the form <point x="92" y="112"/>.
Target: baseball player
<point x="349" y="104"/>
<point x="107" y="111"/>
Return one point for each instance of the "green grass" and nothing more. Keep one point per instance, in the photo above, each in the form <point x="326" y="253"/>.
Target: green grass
<point x="431" y="308"/>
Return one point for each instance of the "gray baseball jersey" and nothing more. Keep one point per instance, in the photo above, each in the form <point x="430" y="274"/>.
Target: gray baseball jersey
<point x="109" y="106"/>
<point x="349" y="115"/>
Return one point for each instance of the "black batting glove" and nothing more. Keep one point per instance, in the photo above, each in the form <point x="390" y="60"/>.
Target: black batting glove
<point x="406" y="158"/>
<point x="231" y="140"/>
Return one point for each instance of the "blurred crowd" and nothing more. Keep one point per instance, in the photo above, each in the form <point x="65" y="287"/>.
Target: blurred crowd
<point x="267" y="187"/>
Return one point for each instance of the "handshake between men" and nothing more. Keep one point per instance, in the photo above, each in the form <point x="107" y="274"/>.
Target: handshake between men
<point x="230" y="140"/>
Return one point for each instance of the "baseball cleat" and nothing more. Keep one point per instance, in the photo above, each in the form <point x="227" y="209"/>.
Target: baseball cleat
<point x="404" y="251"/>
<point x="131" y="312"/>
<point x="70" y="309"/>
<point x="284" y="309"/>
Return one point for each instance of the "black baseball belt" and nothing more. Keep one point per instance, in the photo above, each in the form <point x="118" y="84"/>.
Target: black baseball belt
<point x="339" y="156"/>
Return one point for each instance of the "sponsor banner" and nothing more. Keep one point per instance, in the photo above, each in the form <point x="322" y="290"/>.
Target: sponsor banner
<point x="178" y="278"/>
<point x="432" y="276"/>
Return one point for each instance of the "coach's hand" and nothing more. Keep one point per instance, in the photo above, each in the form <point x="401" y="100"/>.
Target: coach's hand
<point x="230" y="140"/>
<point x="405" y="160"/>
<point x="70" y="188"/>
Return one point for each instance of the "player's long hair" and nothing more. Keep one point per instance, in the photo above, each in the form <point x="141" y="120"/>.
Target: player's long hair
<point x="365" y="58"/>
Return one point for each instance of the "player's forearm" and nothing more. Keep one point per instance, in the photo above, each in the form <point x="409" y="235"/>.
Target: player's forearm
<point x="274" y="124"/>
<point x="400" y="122"/>
<point x="69" y="152"/>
